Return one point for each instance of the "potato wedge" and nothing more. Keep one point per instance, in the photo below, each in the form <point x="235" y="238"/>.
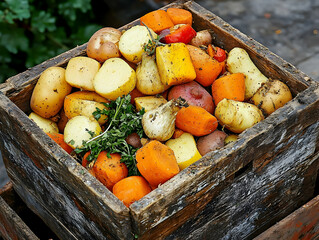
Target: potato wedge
<point x="47" y="125"/>
<point x="79" y="129"/>
<point x="84" y="103"/>
<point x="80" y="72"/>
<point x="271" y="96"/>
<point x="238" y="61"/>
<point x="149" y="102"/>
<point x="132" y="42"/>
<point x="114" y="79"/>
<point x="237" y="116"/>
<point x="185" y="150"/>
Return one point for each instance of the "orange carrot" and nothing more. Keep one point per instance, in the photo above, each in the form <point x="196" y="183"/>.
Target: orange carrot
<point x="196" y="121"/>
<point x="85" y="160"/>
<point x="109" y="170"/>
<point x="223" y="63"/>
<point x="177" y="133"/>
<point x="231" y="87"/>
<point x="156" y="162"/>
<point x="131" y="189"/>
<point x="157" y="20"/>
<point x="207" y="69"/>
<point x="59" y="139"/>
<point x="180" y="16"/>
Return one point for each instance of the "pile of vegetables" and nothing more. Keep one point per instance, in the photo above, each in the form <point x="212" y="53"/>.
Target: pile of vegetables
<point x="147" y="102"/>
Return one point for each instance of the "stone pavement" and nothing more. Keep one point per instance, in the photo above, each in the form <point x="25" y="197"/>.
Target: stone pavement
<point x="288" y="28"/>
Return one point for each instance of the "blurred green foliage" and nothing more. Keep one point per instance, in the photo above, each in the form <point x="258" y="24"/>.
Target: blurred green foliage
<point x="33" y="31"/>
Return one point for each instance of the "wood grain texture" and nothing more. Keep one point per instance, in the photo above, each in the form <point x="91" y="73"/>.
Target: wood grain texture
<point x="11" y="225"/>
<point x="237" y="191"/>
<point x="301" y="224"/>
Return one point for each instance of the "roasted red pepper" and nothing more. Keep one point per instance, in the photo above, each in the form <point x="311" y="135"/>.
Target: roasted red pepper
<point x="220" y="55"/>
<point x="217" y="53"/>
<point x="180" y="33"/>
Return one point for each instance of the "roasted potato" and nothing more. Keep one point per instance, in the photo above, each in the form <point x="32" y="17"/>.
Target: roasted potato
<point x="237" y="116"/>
<point x="271" y="96"/>
<point x="49" y="92"/>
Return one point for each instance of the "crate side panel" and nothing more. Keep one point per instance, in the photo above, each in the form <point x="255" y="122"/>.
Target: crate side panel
<point x="11" y="225"/>
<point x="301" y="224"/>
<point x="84" y="204"/>
<point x="46" y="198"/>
<point x="258" y="199"/>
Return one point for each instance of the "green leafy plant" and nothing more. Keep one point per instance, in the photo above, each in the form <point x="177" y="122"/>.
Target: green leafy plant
<point x="33" y="31"/>
<point x="123" y="120"/>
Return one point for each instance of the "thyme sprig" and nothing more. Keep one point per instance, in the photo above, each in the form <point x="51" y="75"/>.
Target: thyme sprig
<point x="150" y="46"/>
<point x="122" y="121"/>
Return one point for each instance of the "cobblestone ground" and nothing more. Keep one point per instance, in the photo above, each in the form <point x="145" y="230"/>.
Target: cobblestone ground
<point x="288" y="28"/>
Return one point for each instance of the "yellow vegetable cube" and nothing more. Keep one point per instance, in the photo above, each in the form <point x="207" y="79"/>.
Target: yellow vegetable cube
<point x="185" y="150"/>
<point x="174" y="64"/>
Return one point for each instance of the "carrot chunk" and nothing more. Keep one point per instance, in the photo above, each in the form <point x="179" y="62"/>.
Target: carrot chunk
<point x="59" y="139"/>
<point x="109" y="170"/>
<point x="196" y="121"/>
<point x="231" y="87"/>
<point x="157" y="20"/>
<point x="131" y="189"/>
<point x="207" y="69"/>
<point x="180" y="16"/>
<point x="156" y="162"/>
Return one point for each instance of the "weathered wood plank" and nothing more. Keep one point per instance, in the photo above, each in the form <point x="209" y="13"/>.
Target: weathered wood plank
<point x="82" y="204"/>
<point x="11" y="225"/>
<point x="252" y="203"/>
<point x="301" y="224"/>
<point x="31" y="223"/>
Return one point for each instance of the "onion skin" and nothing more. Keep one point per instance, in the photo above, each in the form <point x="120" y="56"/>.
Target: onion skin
<point x="159" y="123"/>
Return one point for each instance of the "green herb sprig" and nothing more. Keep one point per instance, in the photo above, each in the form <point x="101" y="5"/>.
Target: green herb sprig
<point x="122" y="121"/>
<point x="151" y="45"/>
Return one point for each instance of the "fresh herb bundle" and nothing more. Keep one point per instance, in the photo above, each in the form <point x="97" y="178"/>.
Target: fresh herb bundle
<point x="122" y="121"/>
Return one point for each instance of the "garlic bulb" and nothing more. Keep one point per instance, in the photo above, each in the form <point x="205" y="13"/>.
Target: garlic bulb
<point x="159" y="123"/>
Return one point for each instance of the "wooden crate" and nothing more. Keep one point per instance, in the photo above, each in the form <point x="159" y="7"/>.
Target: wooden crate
<point x="301" y="224"/>
<point x="17" y="221"/>
<point x="234" y="193"/>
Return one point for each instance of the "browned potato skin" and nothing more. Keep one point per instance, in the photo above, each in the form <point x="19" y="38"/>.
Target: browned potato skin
<point x="202" y="38"/>
<point x="104" y="44"/>
<point x="211" y="142"/>
<point x="271" y="96"/>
